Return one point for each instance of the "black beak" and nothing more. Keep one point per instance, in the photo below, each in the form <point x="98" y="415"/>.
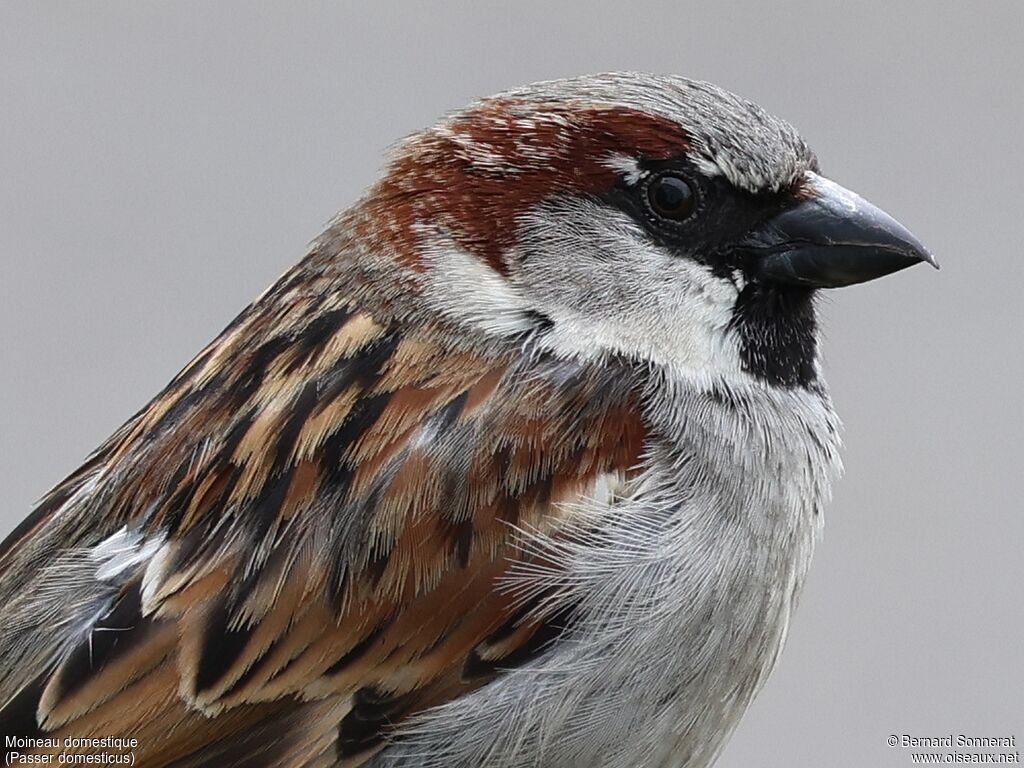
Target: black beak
<point x="830" y="239"/>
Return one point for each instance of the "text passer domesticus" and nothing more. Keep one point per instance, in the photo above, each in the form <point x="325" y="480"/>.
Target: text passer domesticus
<point x="522" y="465"/>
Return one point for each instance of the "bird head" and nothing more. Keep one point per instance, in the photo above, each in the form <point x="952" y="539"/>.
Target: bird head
<point x="655" y="218"/>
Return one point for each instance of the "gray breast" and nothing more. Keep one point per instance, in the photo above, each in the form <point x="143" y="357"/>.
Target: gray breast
<point x="684" y="588"/>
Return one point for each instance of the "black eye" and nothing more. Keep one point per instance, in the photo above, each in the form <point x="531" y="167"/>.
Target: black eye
<point x="671" y="197"/>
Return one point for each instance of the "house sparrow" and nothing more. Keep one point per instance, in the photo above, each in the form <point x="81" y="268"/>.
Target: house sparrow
<point x="521" y="465"/>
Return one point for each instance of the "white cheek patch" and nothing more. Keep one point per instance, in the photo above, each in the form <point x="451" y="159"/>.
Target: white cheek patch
<point x="610" y="290"/>
<point x="683" y="326"/>
<point x="469" y="292"/>
<point x="604" y="285"/>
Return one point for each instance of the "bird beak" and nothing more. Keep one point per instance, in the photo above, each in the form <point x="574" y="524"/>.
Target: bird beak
<point x="832" y="238"/>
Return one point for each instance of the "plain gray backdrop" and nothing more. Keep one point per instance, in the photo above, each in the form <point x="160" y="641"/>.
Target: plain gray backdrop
<point x="162" y="162"/>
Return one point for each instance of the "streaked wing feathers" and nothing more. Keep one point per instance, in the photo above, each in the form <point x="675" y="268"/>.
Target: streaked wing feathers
<point x="317" y="509"/>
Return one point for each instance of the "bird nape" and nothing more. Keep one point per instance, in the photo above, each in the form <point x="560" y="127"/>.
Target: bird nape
<point x="522" y="464"/>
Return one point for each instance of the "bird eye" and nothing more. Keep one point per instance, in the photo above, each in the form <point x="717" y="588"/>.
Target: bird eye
<point x="671" y="197"/>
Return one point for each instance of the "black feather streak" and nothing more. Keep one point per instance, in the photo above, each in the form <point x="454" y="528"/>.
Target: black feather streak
<point x="542" y="639"/>
<point x="366" y="724"/>
<point x="223" y="644"/>
<point x="121" y="629"/>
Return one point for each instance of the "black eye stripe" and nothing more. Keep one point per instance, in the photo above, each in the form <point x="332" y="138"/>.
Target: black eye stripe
<point x="720" y="218"/>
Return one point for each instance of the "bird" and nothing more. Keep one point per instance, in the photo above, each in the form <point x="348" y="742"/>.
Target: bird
<point x="523" y="464"/>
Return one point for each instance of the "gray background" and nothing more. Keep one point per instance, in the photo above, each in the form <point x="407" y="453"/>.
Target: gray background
<point x="161" y="163"/>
